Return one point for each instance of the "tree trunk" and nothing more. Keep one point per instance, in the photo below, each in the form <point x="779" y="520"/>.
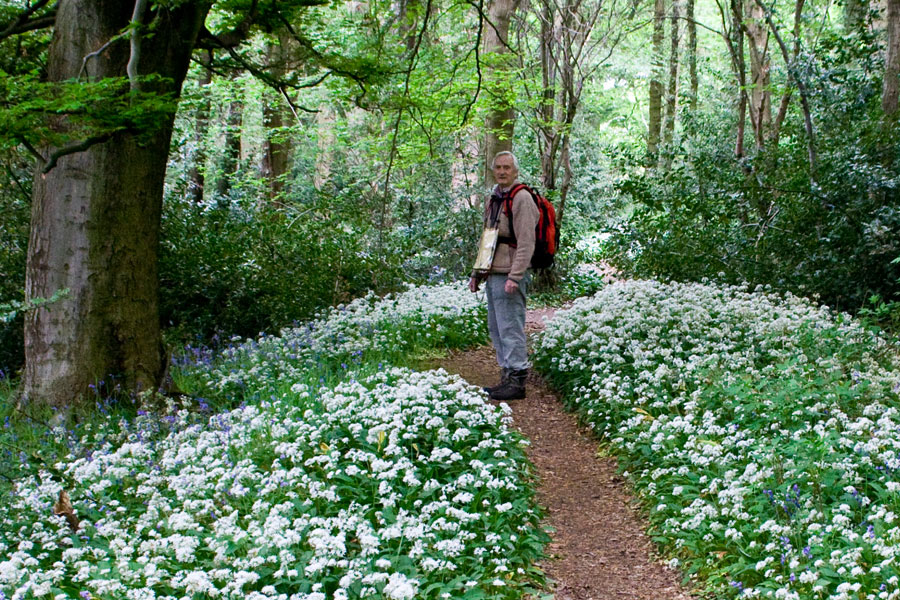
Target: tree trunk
<point x="801" y="86"/>
<point x="739" y="64"/>
<point x="197" y="175"/>
<point x="95" y="218"/>
<point x="692" y="53"/>
<point x="325" y="120"/>
<point x="230" y="158"/>
<point x="672" y="91"/>
<point x="656" y="83"/>
<point x="775" y="132"/>
<point x="891" y="86"/>
<point x="408" y="12"/>
<point x="566" y="181"/>
<point x="276" y="155"/>
<point x="501" y="118"/>
<point x="760" y="75"/>
<point x="548" y="135"/>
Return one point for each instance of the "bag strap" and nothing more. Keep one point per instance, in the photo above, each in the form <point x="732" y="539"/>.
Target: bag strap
<point x="508" y="198"/>
<point x="496" y="204"/>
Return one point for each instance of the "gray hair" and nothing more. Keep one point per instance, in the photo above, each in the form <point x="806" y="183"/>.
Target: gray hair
<point x="506" y="153"/>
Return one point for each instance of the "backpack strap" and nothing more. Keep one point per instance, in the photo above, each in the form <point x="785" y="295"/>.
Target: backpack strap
<point x="508" y="200"/>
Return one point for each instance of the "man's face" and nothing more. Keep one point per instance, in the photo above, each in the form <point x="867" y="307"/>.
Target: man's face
<point x="505" y="171"/>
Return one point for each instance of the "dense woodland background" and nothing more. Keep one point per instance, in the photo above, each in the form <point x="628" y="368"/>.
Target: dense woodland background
<point x="315" y="151"/>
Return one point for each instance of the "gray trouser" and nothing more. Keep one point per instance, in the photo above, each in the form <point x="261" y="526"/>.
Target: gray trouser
<point x="506" y="321"/>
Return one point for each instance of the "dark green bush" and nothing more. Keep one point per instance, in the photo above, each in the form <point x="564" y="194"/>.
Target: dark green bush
<point x="769" y="218"/>
<point x="15" y="212"/>
<point x="239" y="270"/>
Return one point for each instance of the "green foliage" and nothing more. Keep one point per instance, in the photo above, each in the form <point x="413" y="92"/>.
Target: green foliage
<point x="10" y="310"/>
<point x="32" y="108"/>
<point x="765" y="219"/>
<point x="882" y="314"/>
<point x="15" y="211"/>
<point x="769" y="217"/>
<point x="240" y="269"/>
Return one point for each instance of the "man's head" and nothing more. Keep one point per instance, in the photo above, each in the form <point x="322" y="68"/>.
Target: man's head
<point x="505" y="168"/>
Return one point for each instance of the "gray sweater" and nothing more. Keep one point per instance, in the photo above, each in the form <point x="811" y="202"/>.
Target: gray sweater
<point x="525" y="215"/>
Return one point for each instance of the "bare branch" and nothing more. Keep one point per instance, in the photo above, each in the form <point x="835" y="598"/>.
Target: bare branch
<point x="477" y="63"/>
<point x="140" y="7"/>
<point x="98" y="52"/>
<point x="31" y="149"/>
<point x="74" y="148"/>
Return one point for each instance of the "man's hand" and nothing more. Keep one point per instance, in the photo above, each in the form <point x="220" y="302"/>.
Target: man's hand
<point x="511" y="287"/>
<point x="473" y="284"/>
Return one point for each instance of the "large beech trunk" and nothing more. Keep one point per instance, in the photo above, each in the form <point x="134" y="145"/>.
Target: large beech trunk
<point x="96" y="215"/>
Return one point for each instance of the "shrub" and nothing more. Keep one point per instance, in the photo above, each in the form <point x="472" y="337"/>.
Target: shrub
<point x="242" y="270"/>
<point x="15" y="212"/>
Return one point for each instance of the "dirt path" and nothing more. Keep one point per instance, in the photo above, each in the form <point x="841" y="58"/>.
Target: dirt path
<point x="599" y="550"/>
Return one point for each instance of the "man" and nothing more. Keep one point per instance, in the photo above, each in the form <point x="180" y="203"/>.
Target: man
<point x="507" y="282"/>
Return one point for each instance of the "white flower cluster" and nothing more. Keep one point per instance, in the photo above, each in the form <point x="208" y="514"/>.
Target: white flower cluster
<point x="764" y="431"/>
<point x="384" y="327"/>
<point x="407" y="485"/>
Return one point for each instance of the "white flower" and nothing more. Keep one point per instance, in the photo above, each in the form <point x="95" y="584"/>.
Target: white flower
<point x="399" y="587"/>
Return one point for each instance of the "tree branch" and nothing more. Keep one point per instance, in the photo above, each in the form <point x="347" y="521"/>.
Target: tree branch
<point x="801" y="87"/>
<point x="482" y="18"/>
<point x="74" y="148"/>
<point x="24" y="23"/>
<point x="412" y="65"/>
<point x="31" y="149"/>
<point x="477" y="63"/>
<point x="233" y="38"/>
<point x="134" y="58"/>
<point x="305" y="43"/>
<point x="98" y="52"/>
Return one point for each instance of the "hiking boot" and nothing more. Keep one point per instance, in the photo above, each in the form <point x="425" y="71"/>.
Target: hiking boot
<point x="513" y="389"/>
<point x="504" y="377"/>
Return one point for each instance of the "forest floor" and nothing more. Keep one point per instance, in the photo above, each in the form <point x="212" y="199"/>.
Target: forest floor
<point x="599" y="550"/>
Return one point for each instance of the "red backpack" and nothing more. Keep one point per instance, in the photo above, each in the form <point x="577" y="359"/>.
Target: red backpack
<point x="546" y="232"/>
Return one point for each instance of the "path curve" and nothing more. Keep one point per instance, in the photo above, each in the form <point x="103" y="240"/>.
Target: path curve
<point x="599" y="549"/>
